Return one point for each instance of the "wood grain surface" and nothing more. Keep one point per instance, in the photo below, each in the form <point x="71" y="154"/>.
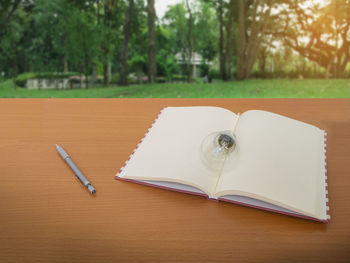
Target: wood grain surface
<point x="47" y="216"/>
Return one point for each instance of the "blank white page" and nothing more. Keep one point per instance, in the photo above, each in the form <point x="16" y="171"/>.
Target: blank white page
<point x="281" y="161"/>
<point x="171" y="149"/>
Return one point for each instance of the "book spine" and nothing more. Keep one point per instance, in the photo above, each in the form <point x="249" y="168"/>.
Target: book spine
<point x="326" y="178"/>
<point x="138" y="145"/>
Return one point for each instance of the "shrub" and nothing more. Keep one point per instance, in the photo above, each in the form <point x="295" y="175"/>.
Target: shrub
<point x="77" y="79"/>
<point x="214" y="74"/>
<point x="204" y="69"/>
<point x="177" y="77"/>
<point x="114" y="78"/>
<point x="132" y="79"/>
<point x="21" y="79"/>
<point x="160" y="79"/>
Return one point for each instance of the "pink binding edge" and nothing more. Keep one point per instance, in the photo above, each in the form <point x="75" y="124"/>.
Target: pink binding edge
<point x="220" y="199"/>
<point x="328" y="212"/>
<point x="273" y="210"/>
<point x="161" y="187"/>
<point x="223" y="199"/>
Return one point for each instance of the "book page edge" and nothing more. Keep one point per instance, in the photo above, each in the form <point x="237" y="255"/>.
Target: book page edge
<point x="119" y="173"/>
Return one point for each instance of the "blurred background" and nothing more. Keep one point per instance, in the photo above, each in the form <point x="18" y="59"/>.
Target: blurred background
<point x="174" y="48"/>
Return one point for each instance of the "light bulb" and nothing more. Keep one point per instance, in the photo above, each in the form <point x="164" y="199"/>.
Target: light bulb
<point x="219" y="149"/>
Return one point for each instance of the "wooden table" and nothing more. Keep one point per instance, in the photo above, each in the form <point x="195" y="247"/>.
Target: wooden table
<point x="47" y="216"/>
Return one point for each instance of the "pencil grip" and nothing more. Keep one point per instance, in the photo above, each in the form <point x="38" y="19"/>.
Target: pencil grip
<point x="76" y="171"/>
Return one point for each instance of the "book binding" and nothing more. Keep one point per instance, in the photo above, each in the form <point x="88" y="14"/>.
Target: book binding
<point x="326" y="178"/>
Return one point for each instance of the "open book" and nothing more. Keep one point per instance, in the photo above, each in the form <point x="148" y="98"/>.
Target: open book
<point x="279" y="164"/>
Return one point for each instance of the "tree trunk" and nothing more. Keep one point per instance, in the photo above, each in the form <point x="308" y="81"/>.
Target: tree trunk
<point x="106" y="76"/>
<point x="189" y="43"/>
<point x="93" y="75"/>
<point x="104" y="46"/>
<point x="65" y="63"/>
<point x="228" y="51"/>
<point x="242" y="41"/>
<point x="80" y="77"/>
<point x="249" y="44"/>
<point x="221" y="42"/>
<point x="14" y="67"/>
<point x="152" y="66"/>
<point x="139" y="74"/>
<point x="123" y="80"/>
<point x="262" y="60"/>
<point x="328" y="69"/>
<point x="86" y="70"/>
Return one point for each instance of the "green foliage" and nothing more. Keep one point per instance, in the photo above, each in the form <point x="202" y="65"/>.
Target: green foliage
<point x="21" y="79"/>
<point x="138" y="63"/>
<point x="12" y="39"/>
<point x="204" y="34"/>
<point x="108" y="17"/>
<point x="207" y="31"/>
<point x="166" y="64"/>
<point x="87" y="36"/>
<point x="50" y="33"/>
<point x="83" y="42"/>
<point x="204" y="69"/>
<point x="178" y="77"/>
<point x="214" y="73"/>
<point x="175" y="21"/>
<point x="115" y="79"/>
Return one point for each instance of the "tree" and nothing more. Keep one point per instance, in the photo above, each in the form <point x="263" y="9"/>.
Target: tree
<point x="207" y="33"/>
<point x="14" y="24"/>
<point x="52" y="22"/>
<point x="189" y="41"/>
<point x="222" y="56"/>
<point x="230" y="45"/>
<point x="319" y="33"/>
<point x="138" y="43"/>
<point x="180" y="24"/>
<point x="221" y="6"/>
<point x="124" y="55"/>
<point x="168" y="47"/>
<point x="254" y="16"/>
<point x="109" y="23"/>
<point x="7" y="10"/>
<point x="151" y="61"/>
<point x="262" y="56"/>
<point x="83" y="41"/>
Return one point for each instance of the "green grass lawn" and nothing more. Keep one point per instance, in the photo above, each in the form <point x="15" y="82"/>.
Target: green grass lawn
<point x="255" y="88"/>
